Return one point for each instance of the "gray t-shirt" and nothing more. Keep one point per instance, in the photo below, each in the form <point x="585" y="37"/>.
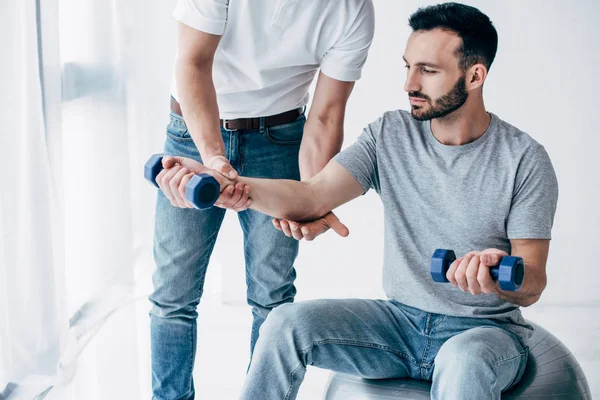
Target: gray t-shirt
<point x="471" y="197"/>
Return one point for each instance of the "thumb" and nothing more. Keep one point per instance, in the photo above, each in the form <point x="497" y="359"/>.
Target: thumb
<point x="337" y="226"/>
<point x="222" y="166"/>
<point x="490" y="259"/>
<point x="169" y="161"/>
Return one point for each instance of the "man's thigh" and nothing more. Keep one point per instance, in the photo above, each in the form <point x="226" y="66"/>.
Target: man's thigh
<point x="369" y="338"/>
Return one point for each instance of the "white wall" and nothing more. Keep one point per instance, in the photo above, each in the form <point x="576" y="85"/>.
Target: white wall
<point x="543" y="81"/>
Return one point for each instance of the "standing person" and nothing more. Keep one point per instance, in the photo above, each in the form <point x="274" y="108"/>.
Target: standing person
<point x="450" y="175"/>
<point x="240" y="86"/>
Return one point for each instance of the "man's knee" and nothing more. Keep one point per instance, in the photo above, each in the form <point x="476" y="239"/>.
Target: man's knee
<point x="167" y="305"/>
<point x="460" y="353"/>
<point x="290" y="321"/>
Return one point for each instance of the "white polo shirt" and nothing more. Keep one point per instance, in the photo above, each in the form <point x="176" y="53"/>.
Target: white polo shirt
<point x="270" y="50"/>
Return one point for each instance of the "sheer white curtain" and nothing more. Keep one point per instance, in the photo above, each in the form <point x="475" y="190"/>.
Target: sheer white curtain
<point x="32" y="301"/>
<point x="84" y="93"/>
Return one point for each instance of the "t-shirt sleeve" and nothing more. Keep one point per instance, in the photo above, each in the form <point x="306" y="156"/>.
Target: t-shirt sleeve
<point x="360" y="159"/>
<point x="345" y="59"/>
<point x="534" y="199"/>
<point x="208" y="16"/>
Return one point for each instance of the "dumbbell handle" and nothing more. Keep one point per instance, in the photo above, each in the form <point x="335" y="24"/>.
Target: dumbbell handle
<point x="202" y="190"/>
<point x="509" y="272"/>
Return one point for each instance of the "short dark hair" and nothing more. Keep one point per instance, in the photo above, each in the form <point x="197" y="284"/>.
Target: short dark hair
<point x="479" y="37"/>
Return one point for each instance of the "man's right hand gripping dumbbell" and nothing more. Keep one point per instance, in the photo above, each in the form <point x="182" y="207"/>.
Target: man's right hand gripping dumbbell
<point x="199" y="186"/>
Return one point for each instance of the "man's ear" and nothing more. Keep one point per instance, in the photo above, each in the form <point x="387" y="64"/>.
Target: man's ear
<point x="476" y="76"/>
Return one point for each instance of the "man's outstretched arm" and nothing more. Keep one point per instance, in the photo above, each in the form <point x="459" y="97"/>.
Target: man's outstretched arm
<point x="279" y="198"/>
<point x="307" y="200"/>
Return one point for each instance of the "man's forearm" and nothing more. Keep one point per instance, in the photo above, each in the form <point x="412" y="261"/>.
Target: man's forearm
<point x="198" y="100"/>
<point x="283" y="198"/>
<point x="322" y="141"/>
<point x="529" y="292"/>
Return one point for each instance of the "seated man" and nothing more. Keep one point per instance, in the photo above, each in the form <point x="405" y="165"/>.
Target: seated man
<point x="450" y="175"/>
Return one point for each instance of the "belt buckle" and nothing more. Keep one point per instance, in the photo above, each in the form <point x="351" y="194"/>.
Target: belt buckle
<point x="225" y="123"/>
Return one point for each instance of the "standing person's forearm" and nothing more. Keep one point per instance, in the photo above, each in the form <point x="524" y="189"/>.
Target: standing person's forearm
<point x="198" y="100"/>
<point x="317" y="149"/>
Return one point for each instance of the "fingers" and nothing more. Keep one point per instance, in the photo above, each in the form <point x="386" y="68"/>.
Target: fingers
<point x="245" y="202"/>
<point x="452" y="271"/>
<point x="289" y="228"/>
<point x="285" y="228"/>
<point x="299" y="231"/>
<point x="178" y="171"/>
<point x="163" y="179"/>
<point x="174" y="187"/>
<point x="239" y="195"/>
<point x="457" y="273"/>
<point x="483" y="276"/>
<point x="315" y="228"/>
<point x="184" y="181"/>
<point x="225" y="196"/>
<point x="296" y="231"/>
<point x="310" y="230"/>
<point x="234" y="197"/>
<point x="471" y="275"/>
<point x="199" y="168"/>
<point x="491" y="259"/>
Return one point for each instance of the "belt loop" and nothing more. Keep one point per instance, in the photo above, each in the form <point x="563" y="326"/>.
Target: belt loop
<point x="262" y="125"/>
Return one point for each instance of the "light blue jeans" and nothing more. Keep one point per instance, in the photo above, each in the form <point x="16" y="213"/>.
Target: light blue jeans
<point x="466" y="358"/>
<point x="184" y="240"/>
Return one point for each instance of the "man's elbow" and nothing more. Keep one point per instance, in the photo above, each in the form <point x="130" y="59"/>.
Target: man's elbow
<point x="531" y="300"/>
<point x="535" y="296"/>
<point x="305" y="206"/>
<point x="303" y="212"/>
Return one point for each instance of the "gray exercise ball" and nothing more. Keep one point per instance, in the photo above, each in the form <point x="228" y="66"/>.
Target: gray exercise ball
<point x="551" y="373"/>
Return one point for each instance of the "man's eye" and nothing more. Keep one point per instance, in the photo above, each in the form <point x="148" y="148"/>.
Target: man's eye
<point x="428" y="71"/>
<point x="407" y="66"/>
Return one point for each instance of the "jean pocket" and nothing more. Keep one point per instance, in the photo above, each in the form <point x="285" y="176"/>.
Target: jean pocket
<point x="289" y="134"/>
<point x="177" y="129"/>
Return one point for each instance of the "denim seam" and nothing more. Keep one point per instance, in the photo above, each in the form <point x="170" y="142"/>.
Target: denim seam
<point x="521" y="354"/>
<point x="498" y="362"/>
<point x="292" y="374"/>
<point x="362" y="344"/>
<point x="229" y="153"/>
<point x="242" y="157"/>
<point x="423" y="365"/>
<point x="192" y="353"/>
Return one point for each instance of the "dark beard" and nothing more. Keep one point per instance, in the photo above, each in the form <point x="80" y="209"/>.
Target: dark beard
<point x="444" y="105"/>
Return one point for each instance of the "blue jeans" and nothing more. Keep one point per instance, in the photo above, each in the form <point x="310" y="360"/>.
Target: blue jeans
<point x="466" y="358"/>
<point x="184" y="240"/>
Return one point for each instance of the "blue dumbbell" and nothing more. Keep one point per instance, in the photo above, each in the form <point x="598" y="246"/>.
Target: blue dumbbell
<point x="202" y="190"/>
<point x="509" y="273"/>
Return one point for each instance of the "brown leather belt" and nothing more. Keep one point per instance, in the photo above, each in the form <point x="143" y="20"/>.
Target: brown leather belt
<point x="249" y="123"/>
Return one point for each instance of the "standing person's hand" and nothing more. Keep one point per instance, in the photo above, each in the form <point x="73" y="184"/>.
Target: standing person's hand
<point x="310" y="230"/>
<point x="222" y="166"/>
